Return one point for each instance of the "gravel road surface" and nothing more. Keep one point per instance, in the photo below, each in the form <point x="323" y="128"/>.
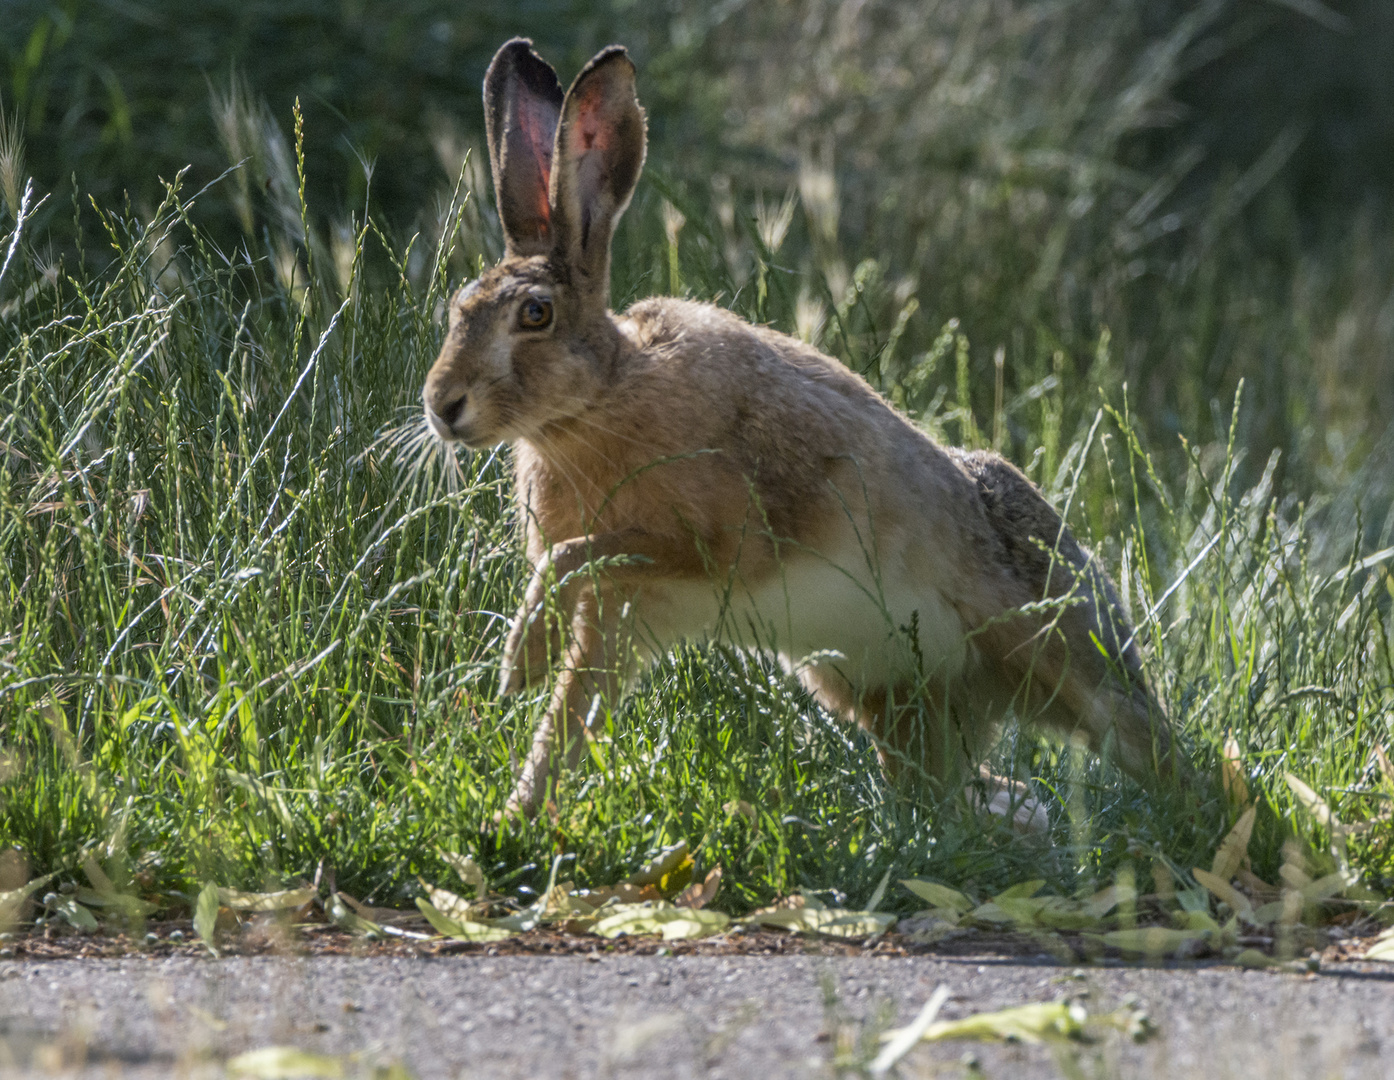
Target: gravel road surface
<point x="672" y="1016"/>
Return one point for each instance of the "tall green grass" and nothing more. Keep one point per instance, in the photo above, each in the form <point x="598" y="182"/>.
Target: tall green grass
<point x="250" y="618"/>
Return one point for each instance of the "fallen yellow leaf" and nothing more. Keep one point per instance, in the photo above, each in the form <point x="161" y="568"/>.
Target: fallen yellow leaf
<point x="667" y="861"/>
<point x="699" y="895"/>
<point x="1232" y="772"/>
<point x="674" y="923"/>
<point x="265" y="901"/>
<point x="1057" y="1020"/>
<point x="939" y="896"/>
<point x="832" y="922"/>
<point x="1155" y="941"/>
<point x="1223" y="890"/>
<point x="1234" y="848"/>
<point x="460" y="929"/>
<point x="285" y="1062"/>
<point x="1383" y="948"/>
<point x="449" y="904"/>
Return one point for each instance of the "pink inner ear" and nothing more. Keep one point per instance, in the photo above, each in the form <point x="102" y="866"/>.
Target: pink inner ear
<point x="538" y="123"/>
<point x="591" y="130"/>
<point x="592" y="137"/>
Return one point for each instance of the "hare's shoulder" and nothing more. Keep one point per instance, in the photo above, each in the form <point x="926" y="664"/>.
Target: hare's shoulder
<point x="679" y="328"/>
<point x="700" y="335"/>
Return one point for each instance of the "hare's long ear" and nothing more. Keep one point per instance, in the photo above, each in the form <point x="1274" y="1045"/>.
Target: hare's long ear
<point x="522" y="101"/>
<point x="600" y="151"/>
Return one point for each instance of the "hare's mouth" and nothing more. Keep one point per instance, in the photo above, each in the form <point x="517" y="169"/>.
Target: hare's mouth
<point x="461" y="431"/>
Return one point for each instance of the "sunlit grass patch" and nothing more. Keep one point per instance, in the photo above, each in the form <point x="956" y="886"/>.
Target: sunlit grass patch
<point x="251" y="617"/>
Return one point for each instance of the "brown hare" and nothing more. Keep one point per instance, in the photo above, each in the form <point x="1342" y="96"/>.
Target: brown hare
<point x="683" y="474"/>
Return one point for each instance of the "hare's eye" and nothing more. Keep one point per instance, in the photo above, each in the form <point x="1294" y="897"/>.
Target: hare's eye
<point x="535" y="314"/>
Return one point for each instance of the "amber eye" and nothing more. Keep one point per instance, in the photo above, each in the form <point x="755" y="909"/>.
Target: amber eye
<point x="535" y="314"/>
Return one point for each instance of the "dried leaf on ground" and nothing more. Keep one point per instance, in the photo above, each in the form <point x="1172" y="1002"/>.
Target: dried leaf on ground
<point x="1301" y="892"/>
<point x="452" y="905"/>
<point x="1051" y="912"/>
<point x="1234" y="848"/>
<point x="12" y="903"/>
<point x="74" y="914"/>
<point x="1012" y="905"/>
<point x="674" y="923"/>
<point x="1383" y="948"/>
<point x="931" y="927"/>
<point x="939" y="896"/>
<point x="1158" y="941"/>
<point x="104" y="893"/>
<point x="343" y="916"/>
<point x="469" y="870"/>
<point x="669" y="872"/>
<point x="385" y="917"/>
<point x="284" y="1063"/>
<point x="832" y="922"/>
<point x="1232" y="772"/>
<point x="1259" y="890"/>
<point x="564" y="902"/>
<point x="1106" y="899"/>
<point x="265" y="901"/>
<point x="461" y="929"/>
<point x="206" y="916"/>
<point x="1057" y="1020"/>
<point x="623" y="893"/>
<point x="700" y="894"/>
<point x="1223" y="890"/>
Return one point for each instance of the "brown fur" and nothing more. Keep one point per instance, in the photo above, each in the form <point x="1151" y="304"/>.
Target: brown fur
<point x="677" y="468"/>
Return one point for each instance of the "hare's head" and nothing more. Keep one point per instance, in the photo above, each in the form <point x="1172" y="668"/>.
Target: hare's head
<point x="526" y="341"/>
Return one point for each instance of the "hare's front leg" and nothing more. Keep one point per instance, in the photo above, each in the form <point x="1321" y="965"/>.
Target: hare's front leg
<point x="593" y="671"/>
<point x="594" y="577"/>
<point x="534" y="637"/>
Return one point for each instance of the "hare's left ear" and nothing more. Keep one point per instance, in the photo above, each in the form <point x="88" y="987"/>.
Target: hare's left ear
<point x="596" y="163"/>
<point x="522" y="100"/>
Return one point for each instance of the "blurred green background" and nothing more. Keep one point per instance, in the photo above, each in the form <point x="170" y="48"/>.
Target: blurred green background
<point x="1210" y="181"/>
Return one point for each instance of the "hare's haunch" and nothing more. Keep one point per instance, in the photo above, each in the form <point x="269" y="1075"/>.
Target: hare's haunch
<point x="684" y="474"/>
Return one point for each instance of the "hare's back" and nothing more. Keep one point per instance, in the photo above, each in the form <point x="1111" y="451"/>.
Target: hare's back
<point x="827" y="458"/>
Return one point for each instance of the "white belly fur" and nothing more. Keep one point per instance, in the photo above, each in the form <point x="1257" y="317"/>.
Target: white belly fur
<point x="816" y="611"/>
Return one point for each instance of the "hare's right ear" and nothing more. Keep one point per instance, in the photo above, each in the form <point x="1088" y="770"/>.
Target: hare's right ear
<point x="522" y="103"/>
<point x="600" y="152"/>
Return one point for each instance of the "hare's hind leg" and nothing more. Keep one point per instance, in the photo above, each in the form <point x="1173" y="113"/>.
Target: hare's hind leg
<point x="1073" y="669"/>
<point x="1062" y="682"/>
<point x="1122" y="724"/>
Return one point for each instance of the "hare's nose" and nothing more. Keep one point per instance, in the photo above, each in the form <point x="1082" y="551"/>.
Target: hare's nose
<point x="449" y="411"/>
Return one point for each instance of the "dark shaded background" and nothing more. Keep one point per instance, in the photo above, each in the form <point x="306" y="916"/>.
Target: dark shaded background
<point x="1210" y="181"/>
